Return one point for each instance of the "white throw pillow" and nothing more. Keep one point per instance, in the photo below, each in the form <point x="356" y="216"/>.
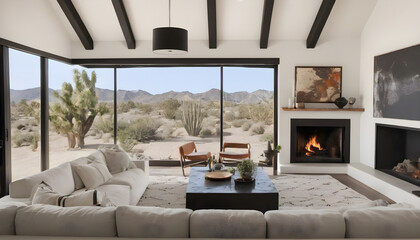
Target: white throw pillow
<point x="93" y="174"/>
<point x="117" y="159"/>
<point x="44" y="194"/>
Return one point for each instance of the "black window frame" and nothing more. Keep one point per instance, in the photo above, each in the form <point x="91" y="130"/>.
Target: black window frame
<point x="115" y="64"/>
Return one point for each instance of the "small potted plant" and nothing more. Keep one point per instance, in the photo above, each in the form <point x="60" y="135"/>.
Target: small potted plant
<point x="246" y="169"/>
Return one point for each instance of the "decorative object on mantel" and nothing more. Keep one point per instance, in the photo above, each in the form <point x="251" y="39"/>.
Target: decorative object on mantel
<point x="300" y="105"/>
<point x="396" y="87"/>
<point x="340" y="102"/>
<point x="326" y="109"/>
<point x="352" y="100"/>
<point x="317" y="84"/>
<point x="170" y="40"/>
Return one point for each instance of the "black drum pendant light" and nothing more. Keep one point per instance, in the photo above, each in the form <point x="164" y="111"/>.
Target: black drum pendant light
<point x="170" y="40"/>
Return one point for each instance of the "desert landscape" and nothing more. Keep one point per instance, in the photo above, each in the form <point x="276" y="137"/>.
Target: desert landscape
<point x="152" y="126"/>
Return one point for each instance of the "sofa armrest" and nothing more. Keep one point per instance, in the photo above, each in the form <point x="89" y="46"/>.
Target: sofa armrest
<point x="143" y="164"/>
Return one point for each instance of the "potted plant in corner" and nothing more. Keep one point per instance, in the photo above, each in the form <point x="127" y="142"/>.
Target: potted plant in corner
<point x="246" y="169"/>
<point x="270" y="153"/>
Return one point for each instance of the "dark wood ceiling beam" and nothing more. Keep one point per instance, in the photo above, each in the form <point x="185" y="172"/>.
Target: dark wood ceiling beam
<point x="124" y="23"/>
<point x="211" y="14"/>
<point x="266" y="22"/>
<point x="319" y="23"/>
<point x="77" y="23"/>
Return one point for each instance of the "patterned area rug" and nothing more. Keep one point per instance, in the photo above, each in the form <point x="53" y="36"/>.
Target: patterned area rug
<point x="294" y="191"/>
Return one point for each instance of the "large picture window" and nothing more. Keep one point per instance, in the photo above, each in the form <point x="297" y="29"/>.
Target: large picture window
<point x="25" y="113"/>
<point x="81" y="111"/>
<point x="159" y="109"/>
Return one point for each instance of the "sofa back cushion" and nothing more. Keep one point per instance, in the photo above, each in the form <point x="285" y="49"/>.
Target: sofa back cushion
<point x="152" y="222"/>
<point x="382" y="222"/>
<point x="227" y="224"/>
<point x="93" y="174"/>
<point x="78" y="183"/>
<point x="59" y="178"/>
<point x="46" y="220"/>
<point x="116" y="158"/>
<point x="7" y="217"/>
<point x="305" y="224"/>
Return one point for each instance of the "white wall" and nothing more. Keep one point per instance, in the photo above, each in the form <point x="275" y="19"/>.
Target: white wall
<point x="342" y="52"/>
<point x="393" y="25"/>
<point x="38" y="28"/>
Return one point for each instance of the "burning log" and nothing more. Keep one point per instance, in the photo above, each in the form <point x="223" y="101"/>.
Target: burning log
<point x="405" y="167"/>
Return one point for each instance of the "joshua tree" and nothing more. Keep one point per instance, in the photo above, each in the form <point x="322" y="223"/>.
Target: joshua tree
<point x="77" y="108"/>
<point x="192" y="118"/>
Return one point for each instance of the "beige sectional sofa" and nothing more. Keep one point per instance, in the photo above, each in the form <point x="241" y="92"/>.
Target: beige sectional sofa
<point x="29" y="222"/>
<point x="123" y="188"/>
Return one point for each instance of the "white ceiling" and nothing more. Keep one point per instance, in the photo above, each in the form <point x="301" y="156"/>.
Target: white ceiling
<point x="236" y="19"/>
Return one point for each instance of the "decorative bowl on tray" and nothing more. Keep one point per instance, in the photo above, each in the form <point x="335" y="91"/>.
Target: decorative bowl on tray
<point x="218" y="175"/>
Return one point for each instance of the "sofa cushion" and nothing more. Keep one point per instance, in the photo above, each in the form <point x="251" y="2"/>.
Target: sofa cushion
<point x="47" y="220"/>
<point x="152" y="222"/>
<point x="116" y="195"/>
<point x="7" y="219"/>
<point x="97" y="155"/>
<point x="44" y="194"/>
<point x="227" y="224"/>
<point x="305" y="224"/>
<point x="382" y="222"/>
<point x="93" y="174"/>
<point x="59" y="178"/>
<point x="116" y="159"/>
<point x="78" y="183"/>
<point x="132" y="178"/>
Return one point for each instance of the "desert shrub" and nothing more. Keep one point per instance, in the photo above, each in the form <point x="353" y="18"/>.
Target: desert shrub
<point x="205" y="132"/>
<point x="125" y="141"/>
<point x="226" y="125"/>
<point x="243" y="112"/>
<point x="34" y="144"/>
<point x="126" y="106"/>
<point x="105" y="124"/>
<point x="246" y="126"/>
<point x="192" y="118"/>
<point x="238" y="123"/>
<point x="258" y="129"/>
<point x="140" y="130"/>
<point x="145" y="108"/>
<point x="229" y="116"/>
<point x="267" y="137"/>
<point x="261" y="112"/>
<point x="25" y="139"/>
<point x="169" y="107"/>
<point x="166" y="131"/>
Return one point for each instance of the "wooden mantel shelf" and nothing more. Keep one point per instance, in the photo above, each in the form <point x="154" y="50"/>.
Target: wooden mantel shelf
<point x="325" y="109"/>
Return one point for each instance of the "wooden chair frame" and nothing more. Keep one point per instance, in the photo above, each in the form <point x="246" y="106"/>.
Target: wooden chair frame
<point x="184" y="161"/>
<point x="235" y="145"/>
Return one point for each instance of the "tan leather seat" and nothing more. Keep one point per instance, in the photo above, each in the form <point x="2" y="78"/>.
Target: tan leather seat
<point x="190" y="157"/>
<point x="235" y="156"/>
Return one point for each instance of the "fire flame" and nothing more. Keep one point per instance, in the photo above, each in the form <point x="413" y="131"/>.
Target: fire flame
<point x="314" y="144"/>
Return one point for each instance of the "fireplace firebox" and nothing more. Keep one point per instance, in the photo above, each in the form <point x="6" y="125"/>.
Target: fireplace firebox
<point x="320" y="141"/>
<point x="397" y="152"/>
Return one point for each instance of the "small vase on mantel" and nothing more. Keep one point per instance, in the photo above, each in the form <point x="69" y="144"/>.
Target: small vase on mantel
<point x="340" y="102"/>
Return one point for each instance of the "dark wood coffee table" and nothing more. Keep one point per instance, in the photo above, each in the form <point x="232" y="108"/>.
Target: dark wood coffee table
<point x="202" y="193"/>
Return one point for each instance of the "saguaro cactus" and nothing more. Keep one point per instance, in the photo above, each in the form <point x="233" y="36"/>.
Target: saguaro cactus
<point x="192" y="117"/>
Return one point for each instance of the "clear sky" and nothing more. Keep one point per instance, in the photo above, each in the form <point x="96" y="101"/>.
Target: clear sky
<point x="25" y="73"/>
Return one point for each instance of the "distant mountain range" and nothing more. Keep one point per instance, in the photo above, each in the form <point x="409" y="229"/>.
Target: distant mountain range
<point x="107" y="95"/>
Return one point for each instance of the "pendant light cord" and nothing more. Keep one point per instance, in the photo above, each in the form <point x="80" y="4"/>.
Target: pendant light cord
<point x="169" y="13"/>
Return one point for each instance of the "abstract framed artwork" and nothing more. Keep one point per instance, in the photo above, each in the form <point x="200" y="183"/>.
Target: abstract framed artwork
<point x="396" y="87"/>
<point x="317" y="84"/>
